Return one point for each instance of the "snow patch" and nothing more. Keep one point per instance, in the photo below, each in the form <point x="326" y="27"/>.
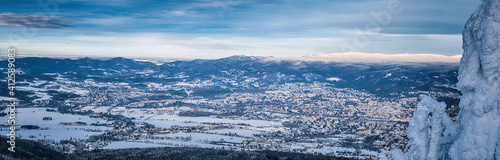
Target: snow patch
<point x="388" y="75"/>
<point x="333" y="79"/>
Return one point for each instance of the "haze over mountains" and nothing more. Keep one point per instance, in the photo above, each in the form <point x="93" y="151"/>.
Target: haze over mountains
<point x="328" y="57"/>
<point x="375" y="57"/>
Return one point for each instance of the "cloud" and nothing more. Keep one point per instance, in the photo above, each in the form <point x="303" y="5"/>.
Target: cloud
<point x="207" y="47"/>
<point x="32" y="21"/>
<point x="112" y="21"/>
<point x="381" y="57"/>
<point x="416" y="17"/>
<point x="219" y="28"/>
<point x="113" y="3"/>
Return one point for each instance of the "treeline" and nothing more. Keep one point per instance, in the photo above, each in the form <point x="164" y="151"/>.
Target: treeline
<point x="196" y="114"/>
<point x="27" y="150"/>
<point x="179" y="153"/>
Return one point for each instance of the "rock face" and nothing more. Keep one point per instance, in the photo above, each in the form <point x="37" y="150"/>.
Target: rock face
<point x="475" y="134"/>
<point x="478" y="121"/>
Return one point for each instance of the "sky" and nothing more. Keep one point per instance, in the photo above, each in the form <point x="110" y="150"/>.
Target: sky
<point x="209" y="29"/>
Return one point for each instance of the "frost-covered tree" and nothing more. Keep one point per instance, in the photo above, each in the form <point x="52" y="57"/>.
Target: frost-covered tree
<point x="428" y="132"/>
<point x="478" y="121"/>
<point x="475" y="134"/>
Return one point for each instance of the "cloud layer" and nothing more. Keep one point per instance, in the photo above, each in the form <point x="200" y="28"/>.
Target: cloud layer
<point x="219" y="28"/>
<point x="32" y="21"/>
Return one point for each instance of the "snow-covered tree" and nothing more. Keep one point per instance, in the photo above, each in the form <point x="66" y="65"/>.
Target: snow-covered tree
<point x="475" y="134"/>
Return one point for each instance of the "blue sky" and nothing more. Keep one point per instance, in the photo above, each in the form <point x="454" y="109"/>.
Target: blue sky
<point x="221" y="28"/>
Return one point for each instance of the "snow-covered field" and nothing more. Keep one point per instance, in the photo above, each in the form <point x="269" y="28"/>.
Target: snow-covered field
<point x="159" y="143"/>
<point x="167" y="120"/>
<point x="51" y="129"/>
<point x="131" y="144"/>
<point x="205" y="137"/>
<point x="54" y="134"/>
<point x="241" y="132"/>
<point x="337" y="150"/>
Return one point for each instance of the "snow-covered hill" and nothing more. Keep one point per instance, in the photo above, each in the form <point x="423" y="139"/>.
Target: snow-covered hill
<point x="374" y="57"/>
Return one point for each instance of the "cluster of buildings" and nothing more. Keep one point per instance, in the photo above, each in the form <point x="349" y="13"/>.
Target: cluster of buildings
<point x="312" y="115"/>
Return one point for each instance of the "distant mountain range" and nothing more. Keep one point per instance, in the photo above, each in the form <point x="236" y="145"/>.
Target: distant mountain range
<point x="377" y="57"/>
<point x="386" y="79"/>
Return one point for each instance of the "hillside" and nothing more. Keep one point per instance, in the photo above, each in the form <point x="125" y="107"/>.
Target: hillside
<point x="26" y="149"/>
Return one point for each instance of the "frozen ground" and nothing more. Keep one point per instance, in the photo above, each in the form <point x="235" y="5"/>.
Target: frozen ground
<point x="51" y="129"/>
<point x="158" y="143"/>
<point x="242" y="132"/>
<point x="205" y="137"/>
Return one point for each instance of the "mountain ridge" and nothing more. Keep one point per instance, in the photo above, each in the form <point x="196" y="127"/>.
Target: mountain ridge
<point x="377" y="78"/>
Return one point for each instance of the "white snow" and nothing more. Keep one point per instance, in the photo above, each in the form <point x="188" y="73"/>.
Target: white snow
<point x="241" y="132"/>
<point x="131" y="144"/>
<point x="205" y="137"/>
<point x="57" y="134"/>
<point x="388" y="75"/>
<point x="335" y="150"/>
<point x="167" y="120"/>
<point x="475" y="133"/>
<point x="54" y="130"/>
<point x="370" y="57"/>
<point x="426" y="129"/>
<point x="2" y="98"/>
<point x="333" y="79"/>
<point x="159" y="143"/>
<point x="479" y="83"/>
